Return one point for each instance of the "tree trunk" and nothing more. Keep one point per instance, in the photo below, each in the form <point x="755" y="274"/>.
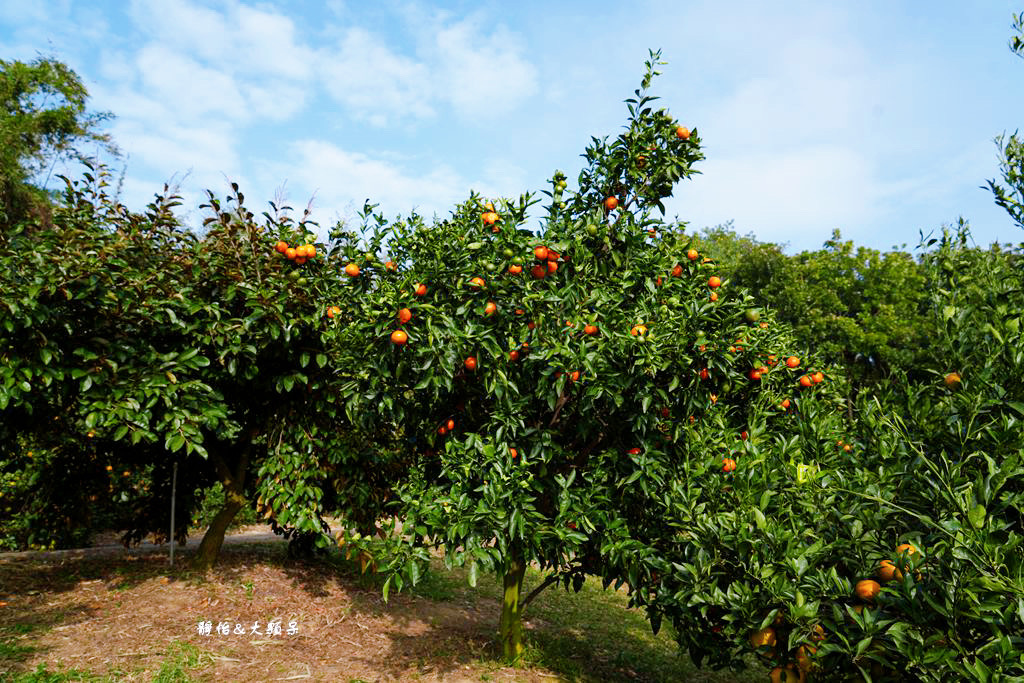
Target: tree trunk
<point x="234" y="500"/>
<point x="213" y="539"/>
<point x="511" y="628"/>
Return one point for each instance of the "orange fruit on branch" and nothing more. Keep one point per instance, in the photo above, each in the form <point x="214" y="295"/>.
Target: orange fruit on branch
<point x="677" y="270"/>
<point x="477" y="282"/>
<point x="541" y="253"/>
<point x="390" y="265"/>
<point x="290" y="253"/>
<point x="281" y="247"/>
<point x="683" y="133"/>
<point x="692" y="254"/>
<point x="638" y="330"/>
<point x="792" y="362"/>
<point x="611" y="203"/>
<point x="763" y="638"/>
<point x="728" y="465"/>
<point x="590" y="330"/>
<point x="539" y="271"/>
<point x="399" y="337"/>
<point x="714" y="282"/>
<point x="515" y="269"/>
<point x="470" y="363"/>
<point x="868" y="589"/>
<point x="420" y="290"/>
<point x="404" y="316"/>
<point x="806" y="381"/>
<point x="352" y="270"/>
<point x="491" y="308"/>
<point x="952" y="380"/>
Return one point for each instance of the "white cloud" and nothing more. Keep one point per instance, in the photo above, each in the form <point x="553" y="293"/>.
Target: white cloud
<point x="341" y="178"/>
<point x="375" y="83"/>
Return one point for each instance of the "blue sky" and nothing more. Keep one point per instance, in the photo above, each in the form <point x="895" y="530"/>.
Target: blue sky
<point x="874" y="118"/>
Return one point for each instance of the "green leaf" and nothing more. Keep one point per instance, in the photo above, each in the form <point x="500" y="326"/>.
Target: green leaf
<point x="977" y="516"/>
<point x="472" y="573"/>
<point x="321" y="359"/>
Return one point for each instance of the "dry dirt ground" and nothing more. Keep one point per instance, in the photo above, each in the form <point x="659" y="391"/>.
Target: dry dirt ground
<point x="111" y="610"/>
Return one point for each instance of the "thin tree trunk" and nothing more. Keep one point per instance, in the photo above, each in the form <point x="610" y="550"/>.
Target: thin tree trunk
<point x="511" y="627"/>
<point x="234" y="500"/>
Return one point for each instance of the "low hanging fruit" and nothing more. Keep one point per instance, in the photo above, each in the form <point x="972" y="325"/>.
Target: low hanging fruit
<point x="541" y="253"/>
<point x="611" y="203"/>
<point x="728" y="465"/>
<point x="421" y="290"/>
<point x="399" y="337"/>
<point x="792" y="362"/>
<point x="470" y="363"/>
<point x="868" y="590"/>
<point x="692" y="254"/>
<point x="352" y="270"/>
<point x="404" y="316"/>
<point x="714" y="282"/>
<point x="281" y="247"/>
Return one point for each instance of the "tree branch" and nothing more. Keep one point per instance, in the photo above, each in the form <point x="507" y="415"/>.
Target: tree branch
<point x="552" y="578"/>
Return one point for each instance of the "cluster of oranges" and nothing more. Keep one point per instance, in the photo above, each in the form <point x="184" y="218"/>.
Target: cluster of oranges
<point x="868" y="589"/>
<point x="547" y="262"/>
<point x="764" y="641"/>
<point x="299" y="254"/>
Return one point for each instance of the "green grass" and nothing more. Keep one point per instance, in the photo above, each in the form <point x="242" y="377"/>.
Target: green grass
<point x="179" y="659"/>
<point x="585" y="637"/>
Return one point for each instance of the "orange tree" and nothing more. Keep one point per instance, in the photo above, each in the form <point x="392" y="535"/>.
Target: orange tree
<point x="564" y="389"/>
<point x="129" y="340"/>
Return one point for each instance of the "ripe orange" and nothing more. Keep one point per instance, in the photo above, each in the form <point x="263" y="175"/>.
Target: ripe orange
<point x="848" y="448"/>
<point x="110" y="468"/>
<point x="677" y="270"/>
<point x="490" y="308"/>
<point x="352" y="270"/>
<point x="906" y="548"/>
<point x="421" y="290"/>
<point x="281" y="247"/>
<point x="744" y="435"/>
<point x="514" y="269"/>
<point x="806" y="381"/>
<point x="399" y="337"/>
<point x="541" y="252"/>
<point x="755" y="375"/>
<point x="490" y="218"/>
<point x="310" y="251"/>
<point x="818" y="377"/>
<point x="785" y="404"/>
<point x="590" y="330"/>
<point x="553" y="255"/>
<point x="704" y="374"/>
<point x="611" y="203"/>
<point x="552" y="266"/>
<point x="804" y="655"/>
<point x="952" y="380"/>
<point x="692" y="254"/>
<point x="762" y="638"/>
<point x="638" y="330"/>
<point x="887" y="571"/>
<point x="477" y="282"/>
<point x="513" y="452"/>
<point x="450" y="425"/>
<point x="299" y="260"/>
<point x="634" y="451"/>
<point x="574" y="375"/>
<point x="513" y="355"/>
<point x="404" y="316"/>
<point x="539" y="271"/>
<point x="714" y="282"/>
<point x="290" y="253"/>
<point x="868" y="589"/>
<point x="728" y="465"/>
<point x="530" y="325"/>
<point x="792" y="362"/>
<point x="713" y="296"/>
<point x="441" y="430"/>
<point x="390" y="265"/>
<point x="683" y="133"/>
<point x="470" y="363"/>
<point x="658" y="281"/>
